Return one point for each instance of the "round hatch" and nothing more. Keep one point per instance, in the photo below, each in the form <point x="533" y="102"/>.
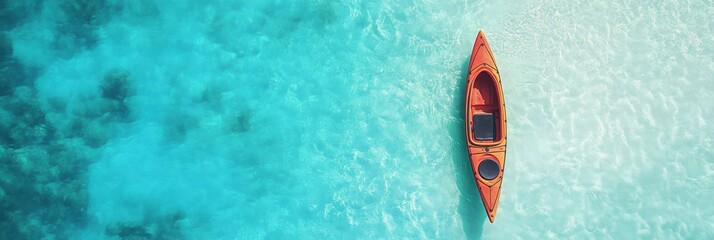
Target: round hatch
<point x="488" y="169"/>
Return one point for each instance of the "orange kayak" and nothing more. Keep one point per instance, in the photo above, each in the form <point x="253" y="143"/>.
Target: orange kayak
<point x="485" y="124"/>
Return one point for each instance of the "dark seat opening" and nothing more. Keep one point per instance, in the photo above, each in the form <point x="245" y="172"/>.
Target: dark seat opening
<point x="484" y="126"/>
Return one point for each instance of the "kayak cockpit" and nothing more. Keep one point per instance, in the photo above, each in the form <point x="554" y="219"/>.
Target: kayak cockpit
<point x="485" y="122"/>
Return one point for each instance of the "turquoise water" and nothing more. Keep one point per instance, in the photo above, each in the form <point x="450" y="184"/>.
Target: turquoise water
<point x="342" y="119"/>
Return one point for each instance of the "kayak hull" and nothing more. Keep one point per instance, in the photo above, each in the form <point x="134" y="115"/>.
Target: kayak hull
<point x="485" y="124"/>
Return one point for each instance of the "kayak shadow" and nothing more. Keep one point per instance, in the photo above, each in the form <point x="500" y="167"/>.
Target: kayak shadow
<point x="470" y="209"/>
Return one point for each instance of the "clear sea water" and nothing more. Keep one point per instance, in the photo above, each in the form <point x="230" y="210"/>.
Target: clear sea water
<point x="343" y="119"/>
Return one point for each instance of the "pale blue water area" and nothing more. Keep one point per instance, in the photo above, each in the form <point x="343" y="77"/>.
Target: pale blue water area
<point x="343" y="119"/>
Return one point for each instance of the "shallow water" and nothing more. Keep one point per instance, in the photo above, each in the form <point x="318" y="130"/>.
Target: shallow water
<point x="278" y="119"/>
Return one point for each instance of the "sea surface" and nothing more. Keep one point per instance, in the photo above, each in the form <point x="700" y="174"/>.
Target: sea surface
<point x="323" y="119"/>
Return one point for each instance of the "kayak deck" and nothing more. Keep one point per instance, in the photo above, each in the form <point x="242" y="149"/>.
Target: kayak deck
<point x="485" y="125"/>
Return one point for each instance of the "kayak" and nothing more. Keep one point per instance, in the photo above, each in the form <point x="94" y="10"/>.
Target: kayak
<point x="485" y="124"/>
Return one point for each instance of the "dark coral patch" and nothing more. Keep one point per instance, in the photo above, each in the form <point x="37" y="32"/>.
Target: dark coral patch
<point x="82" y="17"/>
<point x="13" y="13"/>
<point x="117" y="87"/>
<point x="24" y="121"/>
<point x="241" y="122"/>
<point x="152" y="228"/>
